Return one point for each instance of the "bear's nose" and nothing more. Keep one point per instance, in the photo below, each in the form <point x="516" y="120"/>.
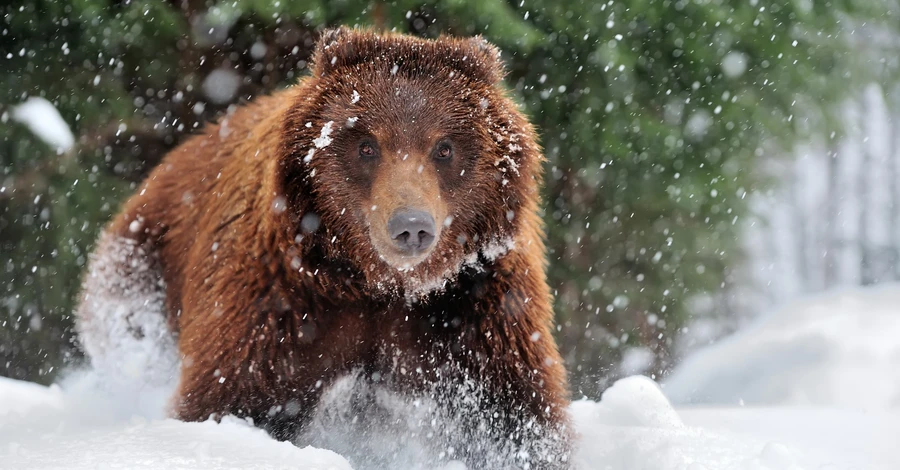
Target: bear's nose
<point x="411" y="230"/>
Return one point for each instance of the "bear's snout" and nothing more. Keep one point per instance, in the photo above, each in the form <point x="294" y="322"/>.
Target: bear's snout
<point x="407" y="205"/>
<point x="412" y="231"/>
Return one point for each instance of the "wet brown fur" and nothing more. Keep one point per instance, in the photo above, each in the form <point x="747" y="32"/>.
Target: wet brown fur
<point x="275" y="282"/>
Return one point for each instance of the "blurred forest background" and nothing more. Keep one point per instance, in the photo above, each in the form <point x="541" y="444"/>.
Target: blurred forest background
<point x="681" y="136"/>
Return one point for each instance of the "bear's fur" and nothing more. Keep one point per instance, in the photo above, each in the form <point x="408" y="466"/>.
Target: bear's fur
<point x="262" y="241"/>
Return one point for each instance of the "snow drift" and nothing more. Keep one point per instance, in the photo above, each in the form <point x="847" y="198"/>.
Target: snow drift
<point x="836" y="352"/>
<point x="840" y="349"/>
<point x="633" y="427"/>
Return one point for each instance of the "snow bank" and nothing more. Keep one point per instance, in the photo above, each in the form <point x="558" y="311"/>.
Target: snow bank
<point x="633" y="427"/>
<point x="840" y="350"/>
<point x="22" y="396"/>
<point x="830" y="439"/>
<point x="85" y="427"/>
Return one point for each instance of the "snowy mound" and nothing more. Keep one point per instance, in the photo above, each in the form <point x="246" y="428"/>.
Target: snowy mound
<point x="83" y="428"/>
<point x="840" y="353"/>
<point x="633" y="427"/>
<point x="840" y="349"/>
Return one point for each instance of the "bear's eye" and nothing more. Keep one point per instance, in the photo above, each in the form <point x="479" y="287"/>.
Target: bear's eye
<point x="444" y="152"/>
<point x="367" y="150"/>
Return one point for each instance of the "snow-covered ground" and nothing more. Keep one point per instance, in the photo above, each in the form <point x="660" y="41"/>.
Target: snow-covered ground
<point x="840" y="349"/>
<point x="812" y="386"/>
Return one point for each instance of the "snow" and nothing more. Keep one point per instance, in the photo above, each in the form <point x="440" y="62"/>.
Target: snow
<point x="121" y="317"/>
<point x="833" y="439"/>
<point x="843" y="346"/>
<point x="635" y="360"/>
<point x="840" y="349"/>
<point x="324" y="139"/>
<point x="508" y="162"/>
<point x="47" y="428"/>
<point x="22" y="396"/>
<point x="698" y="124"/>
<point x="498" y="248"/>
<point x="734" y="64"/>
<point x="221" y="85"/>
<point x="634" y="427"/>
<point x="83" y="425"/>
<point x="42" y="118"/>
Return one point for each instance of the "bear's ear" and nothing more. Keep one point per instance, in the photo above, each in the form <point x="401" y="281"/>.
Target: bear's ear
<point x="481" y="60"/>
<point x="340" y="47"/>
<point x="334" y="48"/>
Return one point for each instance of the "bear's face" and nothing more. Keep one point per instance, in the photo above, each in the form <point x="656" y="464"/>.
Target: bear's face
<point x="416" y="160"/>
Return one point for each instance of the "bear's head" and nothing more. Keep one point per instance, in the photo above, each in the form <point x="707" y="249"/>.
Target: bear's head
<point x="406" y="159"/>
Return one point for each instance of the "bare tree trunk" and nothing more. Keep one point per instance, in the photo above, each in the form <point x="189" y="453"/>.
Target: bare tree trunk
<point x="832" y="225"/>
<point x="865" y="247"/>
<point x="773" y="257"/>
<point x="893" y="107"/>
<point x="800" y="232"/>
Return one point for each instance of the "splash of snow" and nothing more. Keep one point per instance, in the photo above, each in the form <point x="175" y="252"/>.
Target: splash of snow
<point x="121" y="319"/>
<point x="354" y="98"/>
<point x="423" y="430"/>
<point x="43" y="119"/>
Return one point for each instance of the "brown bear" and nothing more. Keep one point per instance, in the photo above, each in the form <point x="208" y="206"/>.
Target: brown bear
<point x="380" y="218"/>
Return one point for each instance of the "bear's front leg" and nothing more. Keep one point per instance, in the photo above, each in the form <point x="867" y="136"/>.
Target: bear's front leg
<point x="254" y="350"/>
<point x="519" y="360"/>
<point x="487" y="355"/>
